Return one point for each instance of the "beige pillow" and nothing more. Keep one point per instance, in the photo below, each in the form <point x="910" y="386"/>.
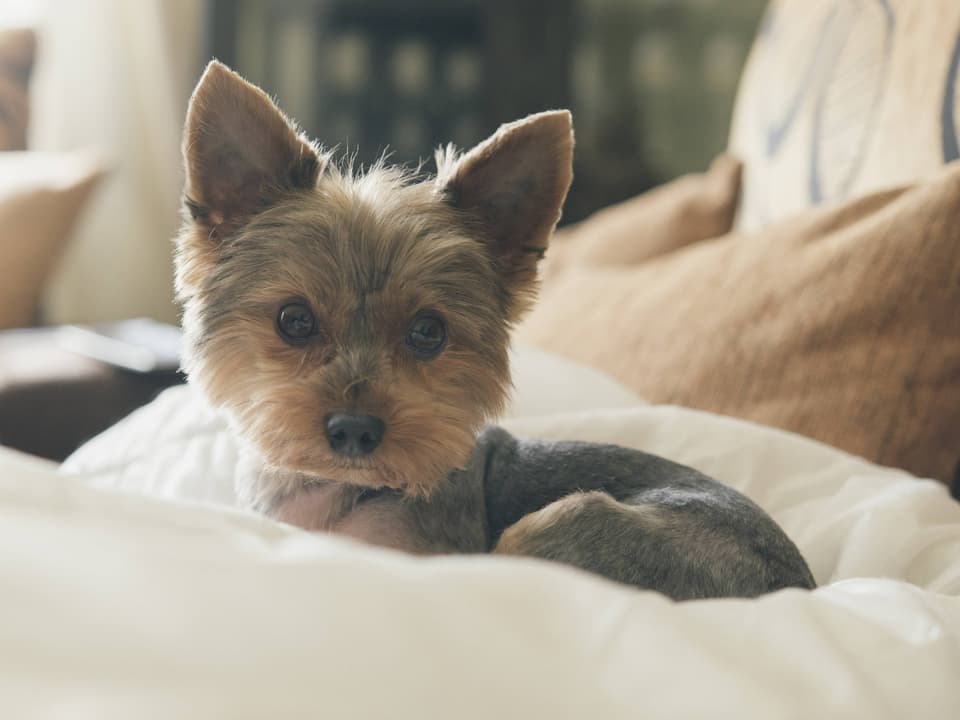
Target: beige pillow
<point x="842" y="324"/>
<point x="41" y="195"/>
<point x="692" y="208"/>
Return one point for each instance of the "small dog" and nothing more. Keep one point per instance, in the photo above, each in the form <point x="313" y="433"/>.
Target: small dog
<point x="355" y="326"/>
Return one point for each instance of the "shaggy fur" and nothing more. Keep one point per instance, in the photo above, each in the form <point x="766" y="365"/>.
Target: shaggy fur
<point x="271" y="220"/>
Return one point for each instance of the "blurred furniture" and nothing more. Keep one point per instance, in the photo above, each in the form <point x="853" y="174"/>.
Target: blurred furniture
<point x="52" y="400"/>
<point x="42" y="195"/>
<point x="372" y="73"/>
<point x="650" y="83"/>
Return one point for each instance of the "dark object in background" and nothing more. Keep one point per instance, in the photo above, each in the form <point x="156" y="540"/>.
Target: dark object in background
<point x="651" y="84"/>
<point x="52" y="400"/>
<point x="409" y="74"/>
<point x="140" y="345"/>
<point x="371" y="75"/>
<point x="17" y="54"/>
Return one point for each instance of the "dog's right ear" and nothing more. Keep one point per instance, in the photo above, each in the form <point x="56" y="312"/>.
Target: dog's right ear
<point x="240" y="151"/>
<point x="512" y="187"/>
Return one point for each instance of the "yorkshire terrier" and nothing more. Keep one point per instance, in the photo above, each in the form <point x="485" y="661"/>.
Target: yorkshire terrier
<point x="355" y="326"/>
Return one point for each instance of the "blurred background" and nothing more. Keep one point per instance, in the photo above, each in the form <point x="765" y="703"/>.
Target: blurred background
<point x="651" y="84"/>
<point x="840" y="98"/>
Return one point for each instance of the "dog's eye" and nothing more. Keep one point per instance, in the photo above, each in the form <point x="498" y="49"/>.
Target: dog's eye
<point x="295" y="323"/>
<point x="427" y="336"/>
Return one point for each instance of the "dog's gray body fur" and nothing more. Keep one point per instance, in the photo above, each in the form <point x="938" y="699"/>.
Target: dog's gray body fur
<point x="632" y="517"/>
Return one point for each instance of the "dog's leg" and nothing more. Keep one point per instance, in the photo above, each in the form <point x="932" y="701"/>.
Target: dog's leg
<point x="674" y="548"/>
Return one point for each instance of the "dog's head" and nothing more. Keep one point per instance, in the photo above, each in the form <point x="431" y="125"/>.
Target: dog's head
<point x="355" y="325"/>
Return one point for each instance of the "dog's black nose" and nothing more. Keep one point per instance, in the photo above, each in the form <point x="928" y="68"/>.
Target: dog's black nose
<point x="353" y="435"/>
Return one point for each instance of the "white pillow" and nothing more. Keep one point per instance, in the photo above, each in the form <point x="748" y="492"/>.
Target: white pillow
<point x="546" y="383"/>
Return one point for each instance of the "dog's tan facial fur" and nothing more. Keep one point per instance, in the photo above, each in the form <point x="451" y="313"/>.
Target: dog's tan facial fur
<point x="273" y="220"/>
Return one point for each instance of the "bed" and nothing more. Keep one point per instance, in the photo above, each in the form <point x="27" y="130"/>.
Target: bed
<point x="133" y="588"/>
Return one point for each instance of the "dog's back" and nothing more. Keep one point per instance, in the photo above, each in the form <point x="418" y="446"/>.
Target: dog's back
<point x="632" y="517"/>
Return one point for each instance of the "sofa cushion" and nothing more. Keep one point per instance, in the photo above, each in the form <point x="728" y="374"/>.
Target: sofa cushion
<point x="842" y="324"/>
<point x="41" y="195"/>
<point x="692" y="208"/>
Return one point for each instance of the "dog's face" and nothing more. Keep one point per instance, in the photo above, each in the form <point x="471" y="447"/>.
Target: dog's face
<point x="356" y="326"/>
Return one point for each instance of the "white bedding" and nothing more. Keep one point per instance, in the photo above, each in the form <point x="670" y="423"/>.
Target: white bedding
<point x="121" y="605"/>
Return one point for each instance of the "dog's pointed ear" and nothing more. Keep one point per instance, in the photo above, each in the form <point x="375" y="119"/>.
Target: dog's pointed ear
<point x="514" y="184"/>
<point x="240" y="151"/>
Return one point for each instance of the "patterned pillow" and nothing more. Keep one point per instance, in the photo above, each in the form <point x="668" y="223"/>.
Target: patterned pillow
<point x="841" y="98"/>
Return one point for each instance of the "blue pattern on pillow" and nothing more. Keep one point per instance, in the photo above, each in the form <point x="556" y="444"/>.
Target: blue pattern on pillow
<point x="948" y="121"/>
<point x="777" y="131"/>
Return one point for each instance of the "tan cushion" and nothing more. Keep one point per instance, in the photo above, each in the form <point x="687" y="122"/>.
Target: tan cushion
<point x="842" y="98"/>
<point x="692" y="208"/>
<point x="17" y="48"/>
<point x="842" y="324"/>
<point x="40" y="197"/>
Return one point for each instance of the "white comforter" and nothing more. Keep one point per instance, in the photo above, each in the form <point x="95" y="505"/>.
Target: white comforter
<point x="118" y="603"/>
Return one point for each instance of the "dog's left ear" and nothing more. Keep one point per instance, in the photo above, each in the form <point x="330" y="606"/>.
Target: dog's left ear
<point x="513" y="185"/>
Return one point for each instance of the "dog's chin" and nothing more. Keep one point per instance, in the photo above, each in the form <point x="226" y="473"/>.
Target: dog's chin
<point x="364" y="473"/>
<point x="368" y="474"/>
